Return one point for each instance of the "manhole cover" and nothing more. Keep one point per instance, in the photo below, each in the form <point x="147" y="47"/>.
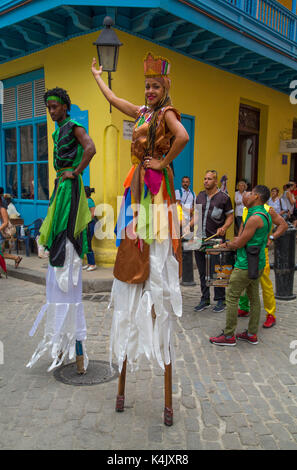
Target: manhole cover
<point x="98" y="372"/>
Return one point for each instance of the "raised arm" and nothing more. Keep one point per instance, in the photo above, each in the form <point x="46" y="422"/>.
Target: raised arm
<point x="122" y="105"/>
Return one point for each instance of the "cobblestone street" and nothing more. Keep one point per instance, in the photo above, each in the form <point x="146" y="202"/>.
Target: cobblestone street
<point x="223" y="398"/>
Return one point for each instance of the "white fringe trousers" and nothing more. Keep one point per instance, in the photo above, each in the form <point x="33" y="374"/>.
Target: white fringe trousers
<point x="65" y="321"/>
<point x="135" y="332"/>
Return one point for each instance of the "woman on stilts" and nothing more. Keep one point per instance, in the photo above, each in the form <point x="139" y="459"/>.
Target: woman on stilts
<point x="146" y="293"/>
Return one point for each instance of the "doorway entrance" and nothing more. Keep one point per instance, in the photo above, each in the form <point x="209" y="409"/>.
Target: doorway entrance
<point x="183" y="164"/>
<point x="248" y="145"/>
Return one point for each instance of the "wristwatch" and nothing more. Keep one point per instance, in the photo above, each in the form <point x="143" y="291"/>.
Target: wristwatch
<point x="271" y="237"/>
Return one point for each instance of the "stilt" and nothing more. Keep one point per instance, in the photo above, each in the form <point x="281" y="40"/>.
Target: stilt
<point x="79" y="358"/>
<point x="121" y="388"/>
<point x="168" y="411"/>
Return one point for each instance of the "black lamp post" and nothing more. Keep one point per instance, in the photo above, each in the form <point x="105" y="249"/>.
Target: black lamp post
<point x="108" y="46"/>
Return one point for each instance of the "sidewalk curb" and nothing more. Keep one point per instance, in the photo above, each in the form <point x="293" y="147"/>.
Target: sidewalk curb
<point x="89" y="285"/>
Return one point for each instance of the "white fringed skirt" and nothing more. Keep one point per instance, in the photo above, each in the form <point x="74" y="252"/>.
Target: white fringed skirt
<point x="135" y="332"/>
<point x="65" y="321"/>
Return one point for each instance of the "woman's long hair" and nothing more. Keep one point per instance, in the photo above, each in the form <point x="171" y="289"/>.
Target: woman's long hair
<point x="165" y="101"/>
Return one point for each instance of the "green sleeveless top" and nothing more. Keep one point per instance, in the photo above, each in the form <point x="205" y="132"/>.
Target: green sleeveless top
<point x="67" y="150"/>
<point x="259" y="239"/>
<point x="68" y="215"/>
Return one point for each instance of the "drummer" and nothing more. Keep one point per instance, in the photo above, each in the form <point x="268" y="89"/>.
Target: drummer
<point x="257" y="226"/>
<point x="217" y="217"/>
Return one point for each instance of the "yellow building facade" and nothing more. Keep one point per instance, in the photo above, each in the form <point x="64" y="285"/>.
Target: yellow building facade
<point x="211" y="95"/>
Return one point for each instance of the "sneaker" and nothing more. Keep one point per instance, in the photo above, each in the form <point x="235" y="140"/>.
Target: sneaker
<point x="270" y="321"/>
<point x="220" y="307"/>
<point x="85" y="267"/>
<point x="202" y="306"/>
<point x="244" y="336"/>
<point x="242" y="313"/>
<point x="223" y="340"/>
<point x="91" y="268"/>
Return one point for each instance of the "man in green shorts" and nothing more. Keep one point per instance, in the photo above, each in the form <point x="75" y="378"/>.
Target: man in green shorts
<point x="255" y="233"/>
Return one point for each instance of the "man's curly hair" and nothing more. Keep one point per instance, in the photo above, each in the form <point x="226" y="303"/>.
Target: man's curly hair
<point x="61" y="93"/>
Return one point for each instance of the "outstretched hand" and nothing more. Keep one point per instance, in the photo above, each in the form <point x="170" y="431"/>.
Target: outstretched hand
<point x="95" y="71"/>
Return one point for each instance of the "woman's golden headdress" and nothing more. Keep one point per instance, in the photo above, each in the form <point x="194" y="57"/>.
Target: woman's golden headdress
<point x="157" y="67"/>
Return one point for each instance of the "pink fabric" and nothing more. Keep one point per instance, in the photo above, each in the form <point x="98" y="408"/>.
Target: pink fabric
<point x="153" y="180"/>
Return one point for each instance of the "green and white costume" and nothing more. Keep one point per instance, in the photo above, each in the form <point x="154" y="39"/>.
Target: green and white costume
<point x="64" y="235"/>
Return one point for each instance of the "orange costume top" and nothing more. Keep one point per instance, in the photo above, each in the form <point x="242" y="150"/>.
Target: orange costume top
<point x="152" y="196"/>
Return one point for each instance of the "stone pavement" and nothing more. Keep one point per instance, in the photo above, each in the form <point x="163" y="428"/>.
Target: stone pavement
<point x="224" y="398"/>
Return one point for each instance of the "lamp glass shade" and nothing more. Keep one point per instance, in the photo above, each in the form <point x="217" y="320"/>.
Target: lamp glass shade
<point x="108" y="57"/>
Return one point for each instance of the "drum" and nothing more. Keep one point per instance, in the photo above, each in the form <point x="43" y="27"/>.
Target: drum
<point x="219" y="266"/>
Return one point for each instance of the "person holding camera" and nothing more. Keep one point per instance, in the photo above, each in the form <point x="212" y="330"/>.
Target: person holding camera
<point x="248" y="268"/>
<point x="287" y="201"/>
<point x="91" y="266"/>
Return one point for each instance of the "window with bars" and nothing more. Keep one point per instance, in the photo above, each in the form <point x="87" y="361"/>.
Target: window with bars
<point x="24" y="139"/>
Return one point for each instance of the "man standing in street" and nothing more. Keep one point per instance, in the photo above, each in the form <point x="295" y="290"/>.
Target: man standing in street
<point x="186" y="198"/>
<point x="266" y="284"/>
<point x="217" y="217"/>
<point x="253" y="238"/>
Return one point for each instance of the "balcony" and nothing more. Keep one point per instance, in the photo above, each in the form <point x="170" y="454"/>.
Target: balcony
<point x="272" y="14"/>
<point x="256" y="39"/>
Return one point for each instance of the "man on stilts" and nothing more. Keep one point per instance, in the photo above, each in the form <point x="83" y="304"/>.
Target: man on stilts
<point x="63" y="233"/>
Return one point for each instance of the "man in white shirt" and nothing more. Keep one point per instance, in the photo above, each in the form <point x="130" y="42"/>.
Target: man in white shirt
<point x="186" y="198"/>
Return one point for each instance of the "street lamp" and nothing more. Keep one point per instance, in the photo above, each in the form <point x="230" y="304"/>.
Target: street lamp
<point x="108" y="45"/>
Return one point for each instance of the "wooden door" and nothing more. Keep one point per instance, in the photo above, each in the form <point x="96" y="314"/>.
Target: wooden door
<point x="247" y="159"/>
<point x="248" y="145"/>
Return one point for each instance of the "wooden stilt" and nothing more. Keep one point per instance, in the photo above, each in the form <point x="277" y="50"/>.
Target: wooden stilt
<point x="80" y="365"/>
<point x="121" y="388"/>
<point x="168" y="411"/>
<point x="79" y="358"/>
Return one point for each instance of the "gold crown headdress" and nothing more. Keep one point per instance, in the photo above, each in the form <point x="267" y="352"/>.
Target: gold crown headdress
<point x="155" y="66"/>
